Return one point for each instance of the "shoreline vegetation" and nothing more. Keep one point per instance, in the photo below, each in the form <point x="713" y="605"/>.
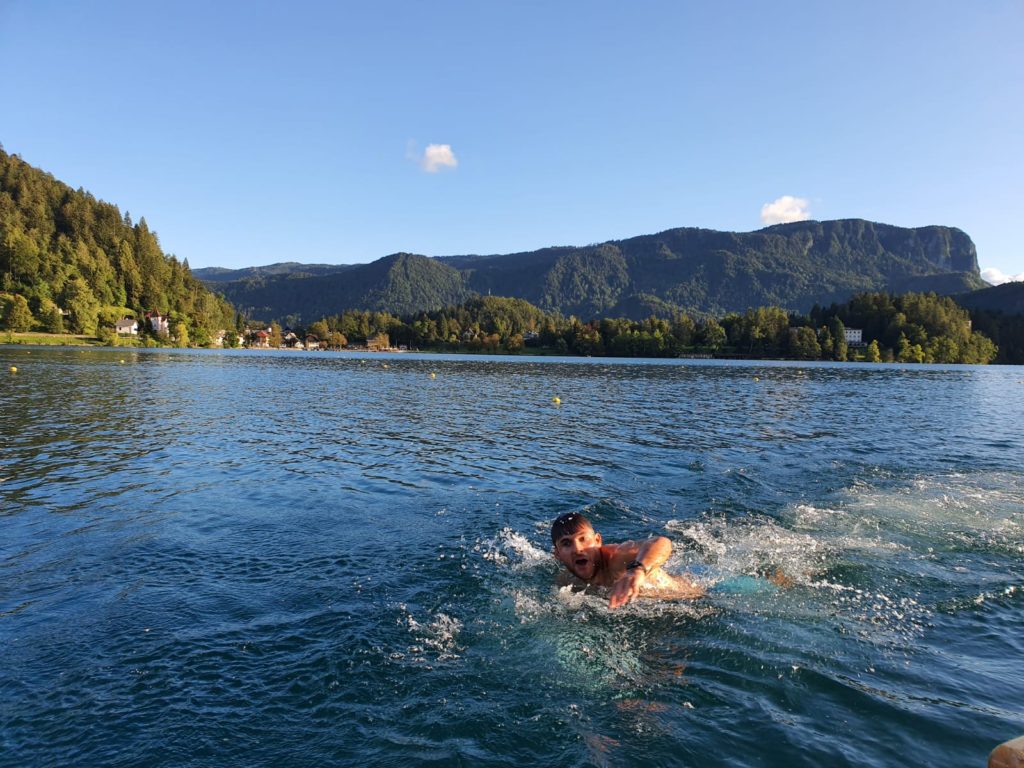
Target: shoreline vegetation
<point x="871" y="327"/>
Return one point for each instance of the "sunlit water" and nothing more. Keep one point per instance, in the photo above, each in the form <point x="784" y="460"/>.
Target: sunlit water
<point x="212" y="559"/>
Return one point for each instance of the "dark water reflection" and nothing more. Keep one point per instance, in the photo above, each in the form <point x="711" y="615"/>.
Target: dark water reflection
<point x="263" y="559"/>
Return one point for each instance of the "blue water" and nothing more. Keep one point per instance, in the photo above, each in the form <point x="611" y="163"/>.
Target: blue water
<point x="263" y="559"/>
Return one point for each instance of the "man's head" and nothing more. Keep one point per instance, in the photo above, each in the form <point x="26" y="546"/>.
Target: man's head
<point x="577" y="545"/>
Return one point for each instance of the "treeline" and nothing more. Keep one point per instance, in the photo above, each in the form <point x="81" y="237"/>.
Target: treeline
<point x="70" y="263"/>
<point x="922" y="328"/>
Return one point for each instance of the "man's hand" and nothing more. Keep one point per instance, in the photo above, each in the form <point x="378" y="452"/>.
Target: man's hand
<point x="627" y="587"/>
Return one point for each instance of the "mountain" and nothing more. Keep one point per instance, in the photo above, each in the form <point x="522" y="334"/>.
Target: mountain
<point x="402" y="283"/>
<point x="223" y="275"/>
<point x="793" y="266"/>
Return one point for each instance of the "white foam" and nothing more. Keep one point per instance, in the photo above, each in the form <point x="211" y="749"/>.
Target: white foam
<point x="439" y="635"/>
<point x="512" y="549"/>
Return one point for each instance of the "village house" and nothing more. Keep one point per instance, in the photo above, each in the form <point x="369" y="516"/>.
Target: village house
<point x="260" y="340"/>
<point x="159" y="324"/>
<point x="312" y="342"/>
<point x="854" y="336"/>
<point x="127" y="326"/>
<point x="379" y="343"/>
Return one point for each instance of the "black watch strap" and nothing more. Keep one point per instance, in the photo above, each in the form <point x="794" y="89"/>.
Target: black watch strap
<point x="641" y="566"/>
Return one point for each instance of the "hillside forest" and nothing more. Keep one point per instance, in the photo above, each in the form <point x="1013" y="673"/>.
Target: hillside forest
<point x="70" y="263"/>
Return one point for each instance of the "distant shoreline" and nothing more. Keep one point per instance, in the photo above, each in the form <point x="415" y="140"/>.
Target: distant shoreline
<point x="83" y="340"/>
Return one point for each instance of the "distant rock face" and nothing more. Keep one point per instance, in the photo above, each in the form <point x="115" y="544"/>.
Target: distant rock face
<point x="789" y="265"/>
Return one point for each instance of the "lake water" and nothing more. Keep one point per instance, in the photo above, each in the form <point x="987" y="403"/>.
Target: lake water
<point x="263" y="559"/>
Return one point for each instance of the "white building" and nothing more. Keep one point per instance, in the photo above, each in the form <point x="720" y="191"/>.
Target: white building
<point x="127" y="326"/>
<point x="158" y="323"/>
<point x="854" y="335"/>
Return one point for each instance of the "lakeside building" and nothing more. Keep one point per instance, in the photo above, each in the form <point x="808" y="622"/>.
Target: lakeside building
<point x="158" y="323"/>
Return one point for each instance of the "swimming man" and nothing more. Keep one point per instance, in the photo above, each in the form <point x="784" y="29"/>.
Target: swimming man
<point x="630" y="569"/>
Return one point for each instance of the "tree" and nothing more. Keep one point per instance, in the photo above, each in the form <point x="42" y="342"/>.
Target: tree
<point x="803" y="343"/>
<point x="840" y="348"/>
<point x="179" y="330"/>
<point x="872" y="353"/>
<point x="711" y="334"/>
<point x="82" y="306"/>
<point x="51" y="317"/>
<point x="275" y="339"/>
<point x="319" y="329"/>
<point x="18" y="316"/>
<point x="906" y="352"/>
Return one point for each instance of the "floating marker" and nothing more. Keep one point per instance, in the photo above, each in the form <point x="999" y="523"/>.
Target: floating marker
<point x="757" y="378"/>
<point x="121" y="361"/>
<point x="433" y="375"/>
<point x="385" y="365"/>
<point x="14" y="369"/>
<point x="556" y="400"/>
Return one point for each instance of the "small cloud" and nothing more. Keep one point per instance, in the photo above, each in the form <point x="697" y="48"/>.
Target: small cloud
<point x="437" y="156"/>
<point x="998" y="277"/>
<point x="784" y="210"/>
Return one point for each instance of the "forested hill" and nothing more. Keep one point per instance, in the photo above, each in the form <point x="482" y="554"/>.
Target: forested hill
<point x="791" y="265"/>
<point x="62" y="249"/>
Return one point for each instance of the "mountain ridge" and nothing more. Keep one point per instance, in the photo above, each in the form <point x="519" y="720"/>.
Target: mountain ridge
<point x="702" y="270"/>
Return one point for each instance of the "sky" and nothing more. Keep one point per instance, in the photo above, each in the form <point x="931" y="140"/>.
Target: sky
<point x="249" y="133"/>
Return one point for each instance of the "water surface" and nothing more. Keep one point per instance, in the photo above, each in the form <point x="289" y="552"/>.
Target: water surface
<point x="215" y="559"/>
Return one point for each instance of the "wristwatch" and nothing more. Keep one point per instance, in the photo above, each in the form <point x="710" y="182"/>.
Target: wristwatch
<point x="641" y="566"/>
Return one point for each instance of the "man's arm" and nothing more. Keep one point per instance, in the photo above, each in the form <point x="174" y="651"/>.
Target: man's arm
<point x="645" y="557"/>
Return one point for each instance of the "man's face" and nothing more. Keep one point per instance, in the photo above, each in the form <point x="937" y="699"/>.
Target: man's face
<point x="579" y="551"/>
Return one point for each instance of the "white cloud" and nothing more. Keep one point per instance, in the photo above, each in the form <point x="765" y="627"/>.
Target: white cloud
<point x="784" y="210"/>
<point x="998" y="277"/>
<point x="438" y="156"/>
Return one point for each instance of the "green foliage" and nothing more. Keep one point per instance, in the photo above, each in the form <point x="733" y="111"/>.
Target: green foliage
<point x="63" y="248"/>
<point x="275" y="335"/>
<point x="179" y="333"/>
<point x="50" y="316"/>
<point x="81" y="305"/>
<point x="872" y="353"/>
<point x="840" y="347"/>
<point x="913" y="327"/>
<point x="803" y="343"/>
<point x="928" y="329"/>
<point x="15" y="314"/>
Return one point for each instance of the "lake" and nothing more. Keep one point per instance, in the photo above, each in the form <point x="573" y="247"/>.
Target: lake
<point x="303" y="559"/>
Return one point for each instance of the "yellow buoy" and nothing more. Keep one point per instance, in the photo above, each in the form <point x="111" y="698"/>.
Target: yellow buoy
<point x="556" y="400"/>
<point x="433" y="375"/>
<point x="14" y="369"/>
<point x="385" y="365"/>
<point x="757" y="378"/>
<point x="122" y="362"/>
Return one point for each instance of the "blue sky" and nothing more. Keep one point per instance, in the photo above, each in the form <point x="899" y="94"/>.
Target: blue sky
<point x="254" y="132"/>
